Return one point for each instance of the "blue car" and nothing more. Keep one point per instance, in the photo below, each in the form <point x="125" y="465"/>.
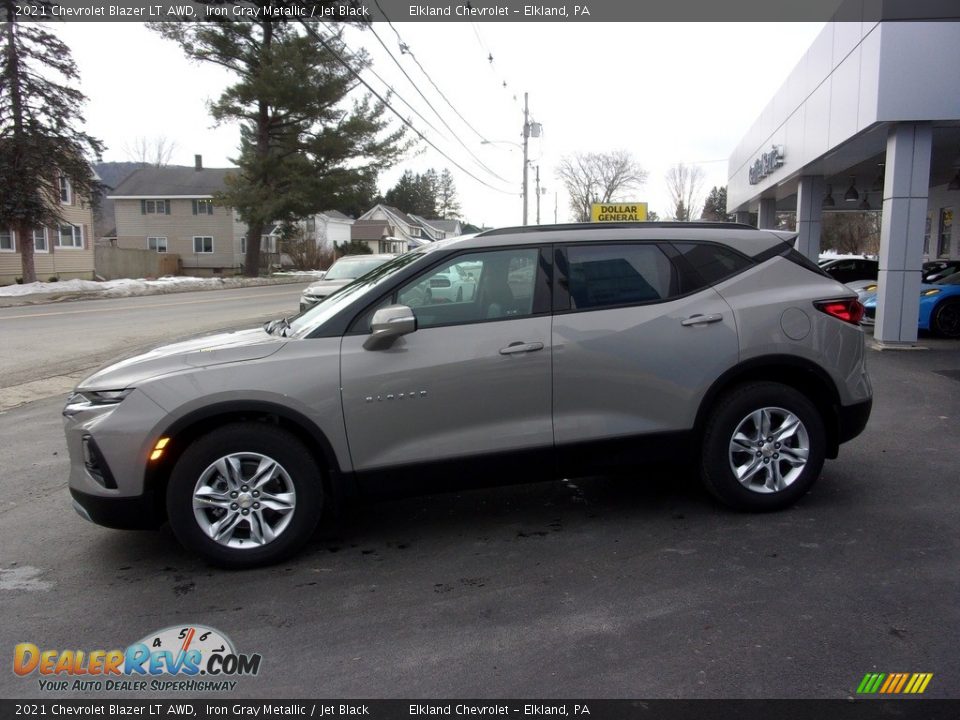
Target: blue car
<point x="939" y="307"/>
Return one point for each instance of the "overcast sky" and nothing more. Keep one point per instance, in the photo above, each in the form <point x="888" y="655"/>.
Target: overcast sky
<point x="667" y="93"/>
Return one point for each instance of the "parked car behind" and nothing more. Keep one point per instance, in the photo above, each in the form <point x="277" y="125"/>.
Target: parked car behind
<point x="939" y="307"/>
<point x="847" y="269"/>
<point x="583" y="349"/>
<point x="343" y="271"/>
<point x="935" y="270"/>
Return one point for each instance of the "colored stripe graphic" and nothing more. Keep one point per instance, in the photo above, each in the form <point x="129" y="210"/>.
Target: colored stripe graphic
<point x="870" y="683"/>
<point x="894" y="683"/>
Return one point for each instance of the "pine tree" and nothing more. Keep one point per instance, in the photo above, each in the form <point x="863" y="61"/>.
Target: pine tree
<point x="448" y="206"/>
<point x="40" y="136"/>
<point x="415" y="193"/>
<point x="303" y="148"/>
<point x="715" y="206"/>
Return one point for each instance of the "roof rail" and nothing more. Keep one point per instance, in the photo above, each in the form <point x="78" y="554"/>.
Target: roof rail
<point x="613" y="226"/>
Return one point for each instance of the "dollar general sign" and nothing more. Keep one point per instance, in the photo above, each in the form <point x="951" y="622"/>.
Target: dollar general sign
<point x="618" y="212"/>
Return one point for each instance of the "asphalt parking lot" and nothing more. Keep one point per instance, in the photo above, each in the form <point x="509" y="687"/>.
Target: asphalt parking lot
<point x="600" y="588"/>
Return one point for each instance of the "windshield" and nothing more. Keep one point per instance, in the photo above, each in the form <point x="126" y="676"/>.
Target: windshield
<point x="950" y="280"/>
<point x="303" y="324"/>
<point x="349" y="268"/>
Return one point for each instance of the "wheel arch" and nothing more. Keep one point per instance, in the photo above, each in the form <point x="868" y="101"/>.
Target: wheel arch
<point x="182" y="431"/>
<point x="796" y="372"/>
<point x="932" y="316"/>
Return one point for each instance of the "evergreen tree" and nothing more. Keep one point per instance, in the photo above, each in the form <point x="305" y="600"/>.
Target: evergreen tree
<point x="415" y="193"/>
<point x="715" y="206"/>
<point x="448" y="206"/>
<point x="303" y="148"/>
<point x="41" y="143"/>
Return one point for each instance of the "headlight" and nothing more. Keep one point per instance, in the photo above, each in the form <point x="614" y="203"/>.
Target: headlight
<point x="87" y="399"/>
<point x="928" y="293"/>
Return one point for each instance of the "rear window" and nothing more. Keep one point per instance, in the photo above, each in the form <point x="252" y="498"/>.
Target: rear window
<point x="712" y="262"/>
<point x="802" y="260"/>
<point x="610" y="275"/>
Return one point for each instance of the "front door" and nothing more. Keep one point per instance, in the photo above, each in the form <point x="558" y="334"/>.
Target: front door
<point x="466" y="394"/>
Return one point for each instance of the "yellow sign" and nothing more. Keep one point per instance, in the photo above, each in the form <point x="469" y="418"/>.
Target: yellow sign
<point x="618" y="212"/>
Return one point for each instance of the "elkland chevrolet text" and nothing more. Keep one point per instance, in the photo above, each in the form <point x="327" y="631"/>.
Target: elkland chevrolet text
<point x="578" y="349"/>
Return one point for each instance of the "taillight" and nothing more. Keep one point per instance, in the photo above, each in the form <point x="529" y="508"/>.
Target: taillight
<point x="849" y="310"/>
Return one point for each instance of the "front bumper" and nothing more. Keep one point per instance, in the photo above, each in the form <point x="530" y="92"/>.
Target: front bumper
<point x="123" y="513"/>
<point x="108" y="447"/>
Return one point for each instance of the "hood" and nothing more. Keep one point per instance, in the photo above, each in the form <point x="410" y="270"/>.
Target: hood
<point x="326" y="287"/>
<point x="202" y="351"/>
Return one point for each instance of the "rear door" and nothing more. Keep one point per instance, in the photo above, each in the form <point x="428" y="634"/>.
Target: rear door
<point x="638" y="337"/>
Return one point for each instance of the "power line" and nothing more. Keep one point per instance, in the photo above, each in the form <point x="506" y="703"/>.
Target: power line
<point x="387" y="85"/>
<point x="405" y="48"/>
<point x="435" y="111"/>
<point x="319" y="38"/>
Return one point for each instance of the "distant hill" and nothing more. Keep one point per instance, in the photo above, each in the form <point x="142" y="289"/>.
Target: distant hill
<point x="113" y="173"/>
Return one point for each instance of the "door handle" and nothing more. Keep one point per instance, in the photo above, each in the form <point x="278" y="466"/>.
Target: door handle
<point x="701" y="319"/>
<point x="521" y="347"/>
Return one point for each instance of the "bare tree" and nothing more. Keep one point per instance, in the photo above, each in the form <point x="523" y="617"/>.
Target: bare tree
<point x="685" y="185"/>
<point x="155" y="151"/>
<point x="598" y="178"/>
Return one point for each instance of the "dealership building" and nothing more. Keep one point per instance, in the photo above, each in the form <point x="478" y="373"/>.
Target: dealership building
<point x="868" y="119"/>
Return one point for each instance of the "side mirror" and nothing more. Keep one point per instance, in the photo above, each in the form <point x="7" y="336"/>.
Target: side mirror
<point x="388" y="324"/>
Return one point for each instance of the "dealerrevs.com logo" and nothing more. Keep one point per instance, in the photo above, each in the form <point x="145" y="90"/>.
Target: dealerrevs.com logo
<point x="190" y="659"/>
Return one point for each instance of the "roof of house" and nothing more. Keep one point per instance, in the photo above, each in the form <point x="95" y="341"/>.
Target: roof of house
<point x="448" y="226"/>
<point x="369" y="229"/>
<point x="336" y="215"/>
<point x="173" y="181"/>
<point x="401" y="215"/>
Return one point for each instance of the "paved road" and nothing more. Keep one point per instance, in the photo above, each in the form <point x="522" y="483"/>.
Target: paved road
<point x="47" y="348"/>
<point x="602" y="588"/>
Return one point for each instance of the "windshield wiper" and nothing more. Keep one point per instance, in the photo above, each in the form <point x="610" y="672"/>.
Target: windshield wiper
<point x="281" y="325"/>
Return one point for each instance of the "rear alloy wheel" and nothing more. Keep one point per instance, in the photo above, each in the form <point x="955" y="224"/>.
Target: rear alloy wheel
<point x="946" y="319"/>
<point x="763" y="447"/>
<point x="244" y="495"/>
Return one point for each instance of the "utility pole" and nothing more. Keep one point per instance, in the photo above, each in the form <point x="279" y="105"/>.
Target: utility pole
<point x="538" y="194"/>
<point x="555" y="208"/>
<point x="526" y="138"/>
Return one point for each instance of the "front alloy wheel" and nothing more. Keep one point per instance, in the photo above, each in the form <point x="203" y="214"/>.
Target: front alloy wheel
<point x="244" y="499"/>
<point x="246" y="494"/>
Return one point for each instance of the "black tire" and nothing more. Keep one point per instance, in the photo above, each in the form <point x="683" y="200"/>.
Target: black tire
<point x="945" y="320"/>
<point x="733" y="412"/>
<point x="246" y="443"/>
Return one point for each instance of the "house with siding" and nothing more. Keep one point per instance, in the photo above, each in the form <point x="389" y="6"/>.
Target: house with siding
<point x="64" y="251"/>
<point x="171" y="209"/>
<point x="439" y="228"/>
<point x="402" y="231"/>
<point x="327" y="229"/>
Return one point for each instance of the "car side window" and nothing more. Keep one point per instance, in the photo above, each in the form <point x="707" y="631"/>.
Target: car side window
<point x="610" y="275"/>
<point x="712" y="263"/>
<point x="474" y="287"/>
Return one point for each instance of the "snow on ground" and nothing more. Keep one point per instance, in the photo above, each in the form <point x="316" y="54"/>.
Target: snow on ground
<point x="130" y="287"/>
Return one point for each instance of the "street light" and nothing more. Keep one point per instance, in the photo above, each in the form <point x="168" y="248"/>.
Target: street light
<point x="530" y="129"/>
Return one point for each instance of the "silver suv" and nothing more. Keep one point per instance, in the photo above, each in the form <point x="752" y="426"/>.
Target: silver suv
<point x="578" y="349"/>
